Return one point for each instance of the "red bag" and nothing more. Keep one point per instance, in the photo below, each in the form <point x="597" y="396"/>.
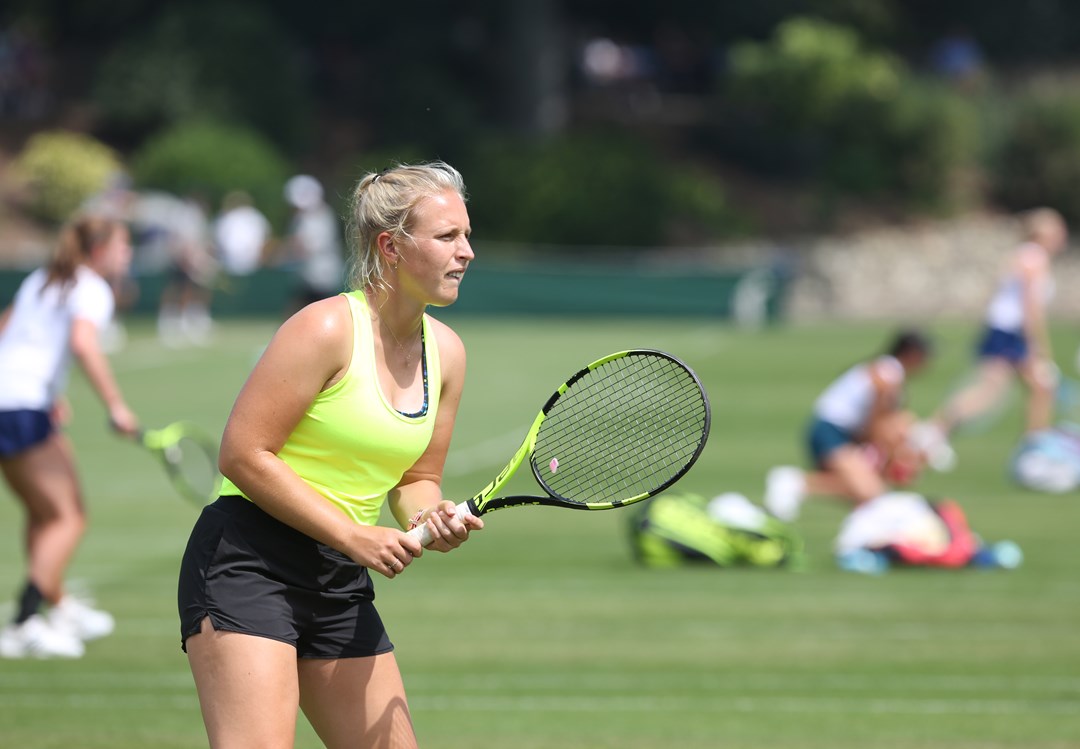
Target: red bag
<point x="962" y="541"/>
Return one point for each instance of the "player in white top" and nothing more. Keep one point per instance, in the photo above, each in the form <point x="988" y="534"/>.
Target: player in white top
<point x="241" y="233"/>
<point x="860" y="408"/>
<point x="58" y="313"/>
<point x="1016" y="339"/>
<point x="313" y="241"/>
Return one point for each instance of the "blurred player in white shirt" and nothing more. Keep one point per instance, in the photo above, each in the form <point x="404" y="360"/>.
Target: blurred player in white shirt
<point x="59" y="313"/>
<point x="240" y="233"/>
<point x="1015" y="340"/>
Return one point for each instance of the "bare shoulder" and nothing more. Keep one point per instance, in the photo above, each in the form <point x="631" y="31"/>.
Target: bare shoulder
<point x="325" y="318"/>
<point x="321" y="330"/>
<point x="451" y="349"/>
<point x="1032" y="259"/>
<point x="887" y="372"/>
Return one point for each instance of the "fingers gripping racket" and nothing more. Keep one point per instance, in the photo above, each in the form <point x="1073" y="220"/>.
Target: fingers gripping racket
<point x="189" y="455"/>
<point x="619" y="431"/>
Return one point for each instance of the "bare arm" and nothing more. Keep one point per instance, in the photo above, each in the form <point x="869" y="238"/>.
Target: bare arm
<point x="886" y="402"/>
<point x="309" y="353"/>
<point x="86" y="347"/>
<point x="1033" y="275"/>
<point x="4" y="317"/>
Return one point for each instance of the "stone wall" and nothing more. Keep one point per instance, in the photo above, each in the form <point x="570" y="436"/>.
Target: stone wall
<point x="934" y="270"/>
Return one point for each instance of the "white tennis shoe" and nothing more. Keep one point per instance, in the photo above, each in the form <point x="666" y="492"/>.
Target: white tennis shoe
<point x="36" y="638"/>
<point x="932" y="441"/>
<point x="785" y="490"/>
<point x="78" y="619"/>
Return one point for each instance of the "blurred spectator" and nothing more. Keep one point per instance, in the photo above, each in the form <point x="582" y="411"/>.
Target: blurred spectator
<point x="240" y="234"/>
<point x="958" y="58"/>
<point x="24" y="91"/>
<point x="173" y="233"/>
<point x="674" y="63"/>
<point x="605" y="62"/>
<point x="683" y="66"/>
<point x="313" y="242"/>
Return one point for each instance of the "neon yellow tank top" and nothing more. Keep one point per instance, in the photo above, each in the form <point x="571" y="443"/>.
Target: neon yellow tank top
<point x="352" y="446"/>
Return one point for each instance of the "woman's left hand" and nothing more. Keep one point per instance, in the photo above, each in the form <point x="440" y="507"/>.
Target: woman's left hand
<point x="448" y="531"/>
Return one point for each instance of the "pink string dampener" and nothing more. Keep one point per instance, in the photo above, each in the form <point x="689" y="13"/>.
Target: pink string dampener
<point x="554" y="465"/>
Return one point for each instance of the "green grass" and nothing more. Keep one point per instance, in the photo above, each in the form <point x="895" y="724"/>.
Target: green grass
<point x="542" y="632"/>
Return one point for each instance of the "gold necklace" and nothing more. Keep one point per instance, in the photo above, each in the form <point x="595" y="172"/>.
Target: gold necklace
<point x="401" y="349"/>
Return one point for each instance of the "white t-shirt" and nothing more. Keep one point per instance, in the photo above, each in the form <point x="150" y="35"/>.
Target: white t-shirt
<point x="240" y="235"/>
<point x="316" y="232"/>
<point x="35" y="350"/>
<point x="1006" y="309"/>
<point x="847" y="402"/>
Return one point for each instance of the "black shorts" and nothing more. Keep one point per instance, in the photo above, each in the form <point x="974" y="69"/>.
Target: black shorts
<point x="253" y="574"/>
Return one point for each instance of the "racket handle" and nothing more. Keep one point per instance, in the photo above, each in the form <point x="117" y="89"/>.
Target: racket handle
<point x="423" y="534"/>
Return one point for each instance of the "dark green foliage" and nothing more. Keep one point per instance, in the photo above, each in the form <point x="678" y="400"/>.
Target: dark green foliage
<point x="228" y="60"/>
<point x="593" y="189"/>
<point x="852" y="118"/>
<point x="1040" y="163"/>
<point x="917" y="145"/>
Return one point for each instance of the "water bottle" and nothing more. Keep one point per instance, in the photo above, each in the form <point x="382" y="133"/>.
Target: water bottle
<point x="1005" y="555"/>
<point x="863" y="561"/>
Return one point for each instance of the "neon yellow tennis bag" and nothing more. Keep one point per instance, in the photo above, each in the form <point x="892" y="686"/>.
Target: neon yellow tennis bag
<point x="674" y="529"/>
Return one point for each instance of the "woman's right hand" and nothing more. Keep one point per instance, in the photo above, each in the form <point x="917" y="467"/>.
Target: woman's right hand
<point x="123" y="420"/>
<point x="387" y="551"/>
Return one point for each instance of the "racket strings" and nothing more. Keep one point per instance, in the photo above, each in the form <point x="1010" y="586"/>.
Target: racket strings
<point x="626" y="459"/>
<point x="194" y="466"/>
<point x="626" y="428"/>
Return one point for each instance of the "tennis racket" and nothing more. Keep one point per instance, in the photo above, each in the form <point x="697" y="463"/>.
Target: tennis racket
<point x="189" y="455"/>
<point x="621" y="430"/>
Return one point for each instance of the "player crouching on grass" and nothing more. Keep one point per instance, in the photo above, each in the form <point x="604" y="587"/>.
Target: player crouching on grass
<point x="859" y="437"/>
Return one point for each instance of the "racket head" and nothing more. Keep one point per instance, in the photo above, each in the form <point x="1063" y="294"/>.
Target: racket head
<point x="620" y="430"/>
<point x="189" y="455"/>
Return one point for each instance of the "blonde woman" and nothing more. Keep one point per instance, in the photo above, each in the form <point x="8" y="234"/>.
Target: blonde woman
<point x="351" y="406"/>
<point x="1015" y="341"/>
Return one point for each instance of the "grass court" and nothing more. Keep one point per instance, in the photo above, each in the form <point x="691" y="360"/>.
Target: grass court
<point x="542" y="633"/>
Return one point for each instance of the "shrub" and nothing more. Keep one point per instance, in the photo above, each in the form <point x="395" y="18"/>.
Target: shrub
<point x="592" y="189"/>
<point x="211" y="159"/>
<point x="226" y="60"/>
<point x="919" y="145"/>
<point x="63" y="169"/>
<point x="810" y="72"/>
<point x="853" y="118"/>
<point x="1040" y="163"/>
